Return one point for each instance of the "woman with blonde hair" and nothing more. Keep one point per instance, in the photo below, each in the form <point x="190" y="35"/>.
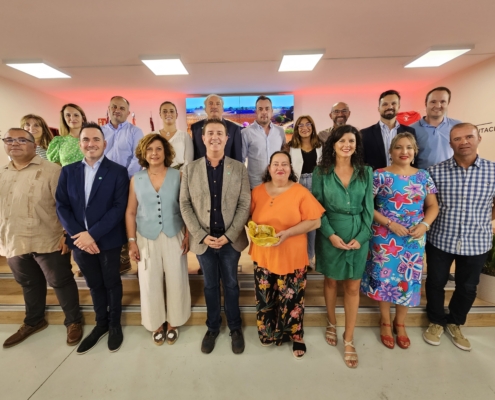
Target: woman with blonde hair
<point x="37" y="126"/>
<point x="305" y="150"/>
<point x="158" y="240"/>
<point x="64" y="149"/>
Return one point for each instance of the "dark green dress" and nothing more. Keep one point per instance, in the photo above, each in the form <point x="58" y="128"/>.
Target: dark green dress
<point x="348" y="214"/>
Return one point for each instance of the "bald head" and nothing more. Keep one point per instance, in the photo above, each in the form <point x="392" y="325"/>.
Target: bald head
<point x="340" y="113"/>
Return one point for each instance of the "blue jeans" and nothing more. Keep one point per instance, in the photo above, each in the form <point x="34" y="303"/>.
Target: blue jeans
<point x="306" y="180"/>
<point x="102" y="274"/>
<point x="221" y="264"/>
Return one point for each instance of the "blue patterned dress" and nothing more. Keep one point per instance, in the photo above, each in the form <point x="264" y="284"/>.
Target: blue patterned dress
<point x="395" y="264"/>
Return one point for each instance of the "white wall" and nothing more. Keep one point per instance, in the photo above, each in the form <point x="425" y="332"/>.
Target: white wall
<point x="473" y="100"/>
<point x="18" y="100"/>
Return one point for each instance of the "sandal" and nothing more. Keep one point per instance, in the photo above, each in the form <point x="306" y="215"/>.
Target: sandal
<point x="331" y="337"/>
<point x="172" y="335"/>
<point x="298" y="346"/>
<point x="266" y="344"/>
<point x="158" y="336"/>
<point x="351" y="355"/>
<point x="402" y="341"/>
<point x="388" y="341"/>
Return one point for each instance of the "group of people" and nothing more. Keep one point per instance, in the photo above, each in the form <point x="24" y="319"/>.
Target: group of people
<point x="354" y="205"/>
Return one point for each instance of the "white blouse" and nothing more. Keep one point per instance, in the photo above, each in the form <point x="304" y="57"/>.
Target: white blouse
<point x="183" y="147"/>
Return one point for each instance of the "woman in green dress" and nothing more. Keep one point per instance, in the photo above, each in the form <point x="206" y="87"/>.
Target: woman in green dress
<point x="64" y="149"/>
<point x="344" y="186"/>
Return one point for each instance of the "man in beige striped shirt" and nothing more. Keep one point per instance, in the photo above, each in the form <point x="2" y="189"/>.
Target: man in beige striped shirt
<point x="31" y="237"/>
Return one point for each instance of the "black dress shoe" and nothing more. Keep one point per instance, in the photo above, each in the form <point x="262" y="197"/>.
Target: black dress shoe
<point x="94" y="337"/>
<point x="208" y="343"/>
<point x="237" y="341"/>
<point x="115" y="338"/>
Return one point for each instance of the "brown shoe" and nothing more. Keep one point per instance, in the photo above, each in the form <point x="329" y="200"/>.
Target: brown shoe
<point x="78" y="274"/>
<point x="23" y="333"/>
<point x="74" y="334"/>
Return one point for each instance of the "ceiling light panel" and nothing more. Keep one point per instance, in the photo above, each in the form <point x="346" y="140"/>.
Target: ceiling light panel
<point x="170" y="66"/>
<point x="39" y="70"/>
<point x="437" y="57"/>
<point x="300" y="62"/>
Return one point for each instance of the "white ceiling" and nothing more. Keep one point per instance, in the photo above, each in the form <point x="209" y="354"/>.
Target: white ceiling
<point x="234" y="47"/>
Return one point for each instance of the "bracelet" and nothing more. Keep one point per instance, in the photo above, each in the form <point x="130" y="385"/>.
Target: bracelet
<point x="131" y="239"/>
<point x="426" y="224"/>
<point x="388" y="224"/>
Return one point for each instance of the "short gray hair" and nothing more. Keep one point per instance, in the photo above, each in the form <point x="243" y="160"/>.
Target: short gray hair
<point x="213" y="95"/>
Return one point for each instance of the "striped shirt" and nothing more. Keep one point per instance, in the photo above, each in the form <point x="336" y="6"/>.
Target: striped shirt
<point x="465" y="199"/>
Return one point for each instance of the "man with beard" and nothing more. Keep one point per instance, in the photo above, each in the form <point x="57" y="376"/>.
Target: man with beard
<point x="214" y="110"/>
<point x="377" y="138"/>
<point x="260" y="140"/>
<point x="339" y="115"/>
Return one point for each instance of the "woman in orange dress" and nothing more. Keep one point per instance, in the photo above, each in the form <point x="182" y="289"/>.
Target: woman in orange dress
<point x="280" y="274"/>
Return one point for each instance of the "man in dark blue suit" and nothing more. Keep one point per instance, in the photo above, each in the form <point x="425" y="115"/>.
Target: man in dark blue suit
<point x="377" y="138"/>
<point x="91" y="201"/>
<point x="214" y="110"/>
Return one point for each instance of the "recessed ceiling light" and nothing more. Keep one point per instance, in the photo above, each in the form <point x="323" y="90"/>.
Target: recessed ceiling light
<point x="438" y="56"/>
<point x="305" y="61"/>
<point x="166" y="66"/>
<point x="39" y="70"/>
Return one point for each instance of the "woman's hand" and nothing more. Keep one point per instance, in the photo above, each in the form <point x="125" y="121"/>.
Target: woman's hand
<point x="185" y="245"/>
<point x="283" y="235"/>
<point x="134" y="252"/>
<point x="354" y="245"/>
<point x="398" y="229"/>
<point x="417" y="231"/>
<point x="338" y="243"/>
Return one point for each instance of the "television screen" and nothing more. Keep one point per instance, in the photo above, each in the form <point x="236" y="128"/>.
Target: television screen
<point x="241" y="110"/>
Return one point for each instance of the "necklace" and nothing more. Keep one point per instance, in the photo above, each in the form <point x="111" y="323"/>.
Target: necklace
<point x="167" y="134"/>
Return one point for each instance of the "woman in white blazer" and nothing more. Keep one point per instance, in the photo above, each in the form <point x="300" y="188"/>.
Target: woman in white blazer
<point x="305" y="150"/>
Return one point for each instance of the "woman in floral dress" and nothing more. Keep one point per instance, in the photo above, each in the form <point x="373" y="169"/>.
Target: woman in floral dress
<point x="405" y="207"/>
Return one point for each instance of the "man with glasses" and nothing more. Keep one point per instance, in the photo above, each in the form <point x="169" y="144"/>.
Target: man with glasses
<point x="339" y="115"/>
<point x="32" y="239"/>
<point x="260" y="140"/>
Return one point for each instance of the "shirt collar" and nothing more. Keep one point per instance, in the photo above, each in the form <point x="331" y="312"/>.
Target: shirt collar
<point x="96" y="164"/>
<point x="255" y="123"/>
<point x="423" y="122"/>
<point x="453" y="162"/>
<point x="382" y="125"/>
<point x="118" y="127"/>
<point x="35" y="160"/>
<point x="208" y="162"/>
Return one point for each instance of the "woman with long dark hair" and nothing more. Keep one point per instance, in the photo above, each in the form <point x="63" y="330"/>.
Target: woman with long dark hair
<point x="305" y="150"/>
<point x="344" y="186"/>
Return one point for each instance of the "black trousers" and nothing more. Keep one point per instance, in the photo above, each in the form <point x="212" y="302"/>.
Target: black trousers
<point x="102" y="274"/>
<point x="467" y="277"/>
<point x="32" y="271"/>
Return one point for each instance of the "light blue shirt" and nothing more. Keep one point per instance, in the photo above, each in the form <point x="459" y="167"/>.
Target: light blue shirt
<point x="388" y="134"/>
<point x="433" y="142"/>
<point x="89" y="178"/>
<point x="121" y="145"/>
<point x="257" y="147"/>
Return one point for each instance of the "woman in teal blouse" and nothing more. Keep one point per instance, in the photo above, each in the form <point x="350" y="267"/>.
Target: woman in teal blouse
<point x="344" y="186"/>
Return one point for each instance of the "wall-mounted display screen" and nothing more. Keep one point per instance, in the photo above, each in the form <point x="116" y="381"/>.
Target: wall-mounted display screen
<point x="241" y="110"/>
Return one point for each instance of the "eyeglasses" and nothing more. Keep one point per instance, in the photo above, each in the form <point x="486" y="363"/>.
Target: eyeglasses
<point x="306" y="125"/>
<point x="344" y="111"/>
<point x="10" y="141"/>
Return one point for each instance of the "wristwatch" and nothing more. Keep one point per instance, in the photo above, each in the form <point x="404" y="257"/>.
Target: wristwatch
<point x="131" y="239"/>
<point x="426" y="224"/>
<point x="388" y="224"/>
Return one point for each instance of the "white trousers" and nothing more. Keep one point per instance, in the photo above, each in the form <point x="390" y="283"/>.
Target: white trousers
<point x="162" y="258"/>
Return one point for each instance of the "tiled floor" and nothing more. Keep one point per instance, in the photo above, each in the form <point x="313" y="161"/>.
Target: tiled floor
<point x="43" y="367"/>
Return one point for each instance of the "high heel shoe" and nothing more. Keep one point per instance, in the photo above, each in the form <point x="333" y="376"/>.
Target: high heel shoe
<point x="402" y="341"/>
<point x="388" y="341"/>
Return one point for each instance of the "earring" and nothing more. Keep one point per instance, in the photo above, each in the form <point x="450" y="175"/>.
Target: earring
<point x="333" y="153"/>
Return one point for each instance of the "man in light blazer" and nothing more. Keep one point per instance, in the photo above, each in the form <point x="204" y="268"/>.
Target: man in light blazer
<point x="215" y="201"/>
<point x="91" y="201"/>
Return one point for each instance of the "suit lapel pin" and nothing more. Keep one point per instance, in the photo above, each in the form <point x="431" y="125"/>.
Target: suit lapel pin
<point x="99" y="177"/>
